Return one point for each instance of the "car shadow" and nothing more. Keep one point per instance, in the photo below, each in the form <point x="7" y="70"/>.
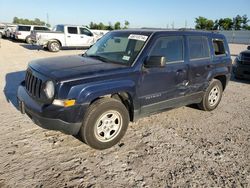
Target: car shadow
<point x="243" y="81"/>
<point x="12" y="81"/>
<point x="31" y="47"/>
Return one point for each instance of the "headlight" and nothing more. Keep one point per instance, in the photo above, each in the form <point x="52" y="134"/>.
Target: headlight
<point x="49" y="89"/>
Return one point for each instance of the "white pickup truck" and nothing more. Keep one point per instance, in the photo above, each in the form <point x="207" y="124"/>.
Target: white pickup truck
<point x="64" y="36"/>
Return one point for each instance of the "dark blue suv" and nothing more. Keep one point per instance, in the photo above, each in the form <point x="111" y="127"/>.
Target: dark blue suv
<point x="126" y="75"/>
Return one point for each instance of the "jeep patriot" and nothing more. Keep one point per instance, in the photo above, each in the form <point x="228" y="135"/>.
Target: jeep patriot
<point x="126" y="75"/>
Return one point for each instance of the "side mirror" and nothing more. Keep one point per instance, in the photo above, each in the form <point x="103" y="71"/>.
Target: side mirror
<point x="248" y="48"/>
<point x="155" y="61"/>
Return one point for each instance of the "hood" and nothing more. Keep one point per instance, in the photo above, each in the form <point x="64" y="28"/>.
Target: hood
<point x="71" y="67"/>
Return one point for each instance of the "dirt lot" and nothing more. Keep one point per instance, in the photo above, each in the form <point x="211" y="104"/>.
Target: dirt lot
<point x="184" y="147"/>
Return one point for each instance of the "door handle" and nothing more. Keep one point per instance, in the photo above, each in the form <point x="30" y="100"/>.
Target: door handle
<point x="82" y="37"/>
<point x="69" y="36"/>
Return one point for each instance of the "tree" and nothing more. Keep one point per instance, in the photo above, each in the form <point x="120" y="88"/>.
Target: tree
<point x="102" y="26"/>
<point x="209" y="25"/>
<point x="245" y="21"/>
<point x="117" y="26"/>
<point x="237" y="21"/>
<point x="204" y="23"/>
<point x="126" y="24"/>
<point x="225" y="24"/>
<point x="26" y="21"/>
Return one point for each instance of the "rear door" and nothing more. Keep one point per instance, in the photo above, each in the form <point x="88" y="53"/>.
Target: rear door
<point x="72" y="36"/>
<point x="160" y="87"/>
<point x="199" y="61"/>
<point x="23" y="31"/>
<point x="220" y="53"/>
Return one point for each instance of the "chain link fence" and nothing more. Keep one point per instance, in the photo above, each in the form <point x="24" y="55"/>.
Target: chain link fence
<point x="237" y="37"/>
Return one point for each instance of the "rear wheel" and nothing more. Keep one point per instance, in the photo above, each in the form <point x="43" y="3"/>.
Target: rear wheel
<point x="105" y="123"/>
<point x="54" y="46"/>
<point x="212" y="97"/>
<point x="28" y="40"/>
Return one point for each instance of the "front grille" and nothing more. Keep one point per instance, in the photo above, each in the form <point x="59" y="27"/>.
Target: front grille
<point x="33" y="84"/>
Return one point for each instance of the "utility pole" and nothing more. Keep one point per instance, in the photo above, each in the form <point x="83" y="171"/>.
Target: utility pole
<point x="172" y="25"/>
<point x="47" y="19"/>
<point x="185" y="24"/>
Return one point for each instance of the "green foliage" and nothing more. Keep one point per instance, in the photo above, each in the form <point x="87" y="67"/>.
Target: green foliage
<point x="204" y="23"/>
<point x="110" y="26"/>
<point x="237" y="23"/>
<point x="36" y="21"/>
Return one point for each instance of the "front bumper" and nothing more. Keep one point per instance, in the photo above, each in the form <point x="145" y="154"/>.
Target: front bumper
<point x="49" y="116"/>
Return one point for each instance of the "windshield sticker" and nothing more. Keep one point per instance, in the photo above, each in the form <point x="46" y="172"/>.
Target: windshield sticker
<point x="126" y="58"/>
<point x="138" y="37"/>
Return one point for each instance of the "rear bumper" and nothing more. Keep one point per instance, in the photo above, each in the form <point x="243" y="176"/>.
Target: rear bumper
<point x="48" y="116"/>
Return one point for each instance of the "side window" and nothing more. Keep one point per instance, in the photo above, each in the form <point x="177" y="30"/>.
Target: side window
<point x="59" y="28"/>
<point x="170" y="47"/>
<point x="72" y="30"/>
<point x="24" y="28"/>
<point x="219" y="48"/>
<point x="198" y="47"/>
<point x="84" y="31"/>
<point x="41" y="28"/>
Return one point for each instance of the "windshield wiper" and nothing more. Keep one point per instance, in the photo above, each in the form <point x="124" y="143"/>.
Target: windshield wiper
<point x="98" y="57"/>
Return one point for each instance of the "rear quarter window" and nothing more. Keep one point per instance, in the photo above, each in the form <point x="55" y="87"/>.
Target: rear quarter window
<point x="59" y="28"/>
<point x="198" y="47"/>
<point x="219" y="47"/>
<point x="24" y="28"/>
<point x="41" y="29"/>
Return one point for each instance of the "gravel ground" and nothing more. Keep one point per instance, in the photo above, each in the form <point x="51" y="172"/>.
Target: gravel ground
<point x="184" y="147"/>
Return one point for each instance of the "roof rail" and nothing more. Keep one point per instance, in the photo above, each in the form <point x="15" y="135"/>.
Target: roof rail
<point x="200" y="30"/>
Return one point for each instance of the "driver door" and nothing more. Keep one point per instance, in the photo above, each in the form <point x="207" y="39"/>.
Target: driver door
<point x="162" y="87"/>
<point x="86" y="37"/>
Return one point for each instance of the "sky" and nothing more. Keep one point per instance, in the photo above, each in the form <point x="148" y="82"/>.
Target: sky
<point x="140" y="13"/>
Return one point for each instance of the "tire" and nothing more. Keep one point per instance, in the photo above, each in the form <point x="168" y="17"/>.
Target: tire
<point x="54" y="46"/>
<point x="212" y="96"/>
<point x="46" y="48"/>
<point x="28" y="40"/>
<point x="104" y="124"/>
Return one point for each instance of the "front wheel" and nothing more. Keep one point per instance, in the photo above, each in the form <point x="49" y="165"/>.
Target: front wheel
<point x="212" y="96"/>
<point x="105" y="123"/>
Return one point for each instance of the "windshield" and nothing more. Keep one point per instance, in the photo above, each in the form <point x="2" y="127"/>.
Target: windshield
<point x="118" y="47"/>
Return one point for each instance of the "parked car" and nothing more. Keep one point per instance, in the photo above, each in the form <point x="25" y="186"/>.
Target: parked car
<point x="1" y="31"/>
<point x="23" y="32"/>
<point x="241" y="66"/>
<point x="124" y="76"/>
<point x="9" y="31"/>
<point x="65" y="36"/>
